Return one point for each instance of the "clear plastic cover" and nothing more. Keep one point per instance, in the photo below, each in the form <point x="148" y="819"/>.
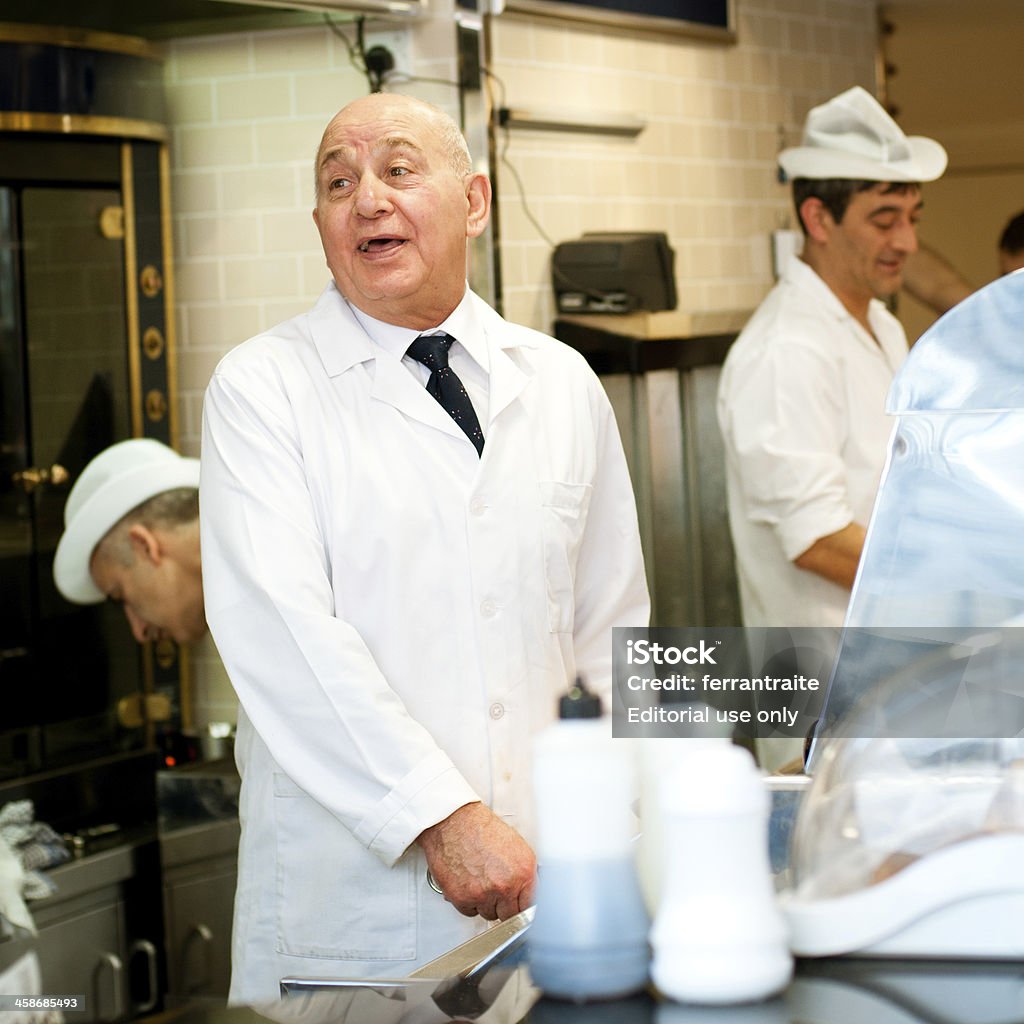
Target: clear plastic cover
<point x="943" y="545"/>
<point x="887" y="792"/>
<point x="943" y="550"/>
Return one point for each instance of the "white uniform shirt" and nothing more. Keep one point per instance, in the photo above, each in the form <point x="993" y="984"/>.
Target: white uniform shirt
<point x="398" y="617"/>
<point x="801" y="404"/>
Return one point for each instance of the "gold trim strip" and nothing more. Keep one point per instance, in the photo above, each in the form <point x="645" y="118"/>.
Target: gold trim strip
<point x="170" y="334"/>
<point x="131" y="297"/>
<point x="78" y="39"/>
<point x="81" y="124"/>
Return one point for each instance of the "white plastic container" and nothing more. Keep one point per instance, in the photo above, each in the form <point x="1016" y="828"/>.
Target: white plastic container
<point x="588" y="939"/>
<point x="719" y="936"/>
<point x="659" y="759"/>
<point x="656" y="758"/>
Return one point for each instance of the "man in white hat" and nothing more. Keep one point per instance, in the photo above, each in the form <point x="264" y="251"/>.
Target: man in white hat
<point x="131" y="535"/>
<point x="802" y="395"/>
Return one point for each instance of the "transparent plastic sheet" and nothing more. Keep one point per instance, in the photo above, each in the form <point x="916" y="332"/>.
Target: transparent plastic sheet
<point x="943" y="546"/>
<point x="878" y="805"/>
<point x="944" y="549"/>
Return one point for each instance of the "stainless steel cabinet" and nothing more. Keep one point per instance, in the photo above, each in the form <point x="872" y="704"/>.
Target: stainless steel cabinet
<point x="85" y="945"/>
<point x="199" y="872"/>
<point x="82" y="953"/>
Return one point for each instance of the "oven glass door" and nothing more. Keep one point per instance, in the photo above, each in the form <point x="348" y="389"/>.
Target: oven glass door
<point x="67" y="672"/>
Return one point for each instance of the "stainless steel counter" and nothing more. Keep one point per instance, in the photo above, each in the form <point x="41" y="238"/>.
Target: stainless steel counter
<point x="843" y="991"/>
<point x="196" y="794"/>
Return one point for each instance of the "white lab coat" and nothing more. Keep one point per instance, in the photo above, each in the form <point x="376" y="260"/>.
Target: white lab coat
<point x="398" y="617"/>
<point x="801" y="404"/>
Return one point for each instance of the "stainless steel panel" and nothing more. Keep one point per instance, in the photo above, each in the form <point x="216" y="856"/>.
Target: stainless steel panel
<point x="670" y="510"/>
<point x="676" y="459"/>
<point x="713" y="577"/>
<point x="96" y="871"/>
<point x="200" y="866"/>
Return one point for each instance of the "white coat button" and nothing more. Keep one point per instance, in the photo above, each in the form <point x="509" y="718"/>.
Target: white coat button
<point x="488" y="608"/>
<point x="478" y="507"/>
<point x="497" y="711"/>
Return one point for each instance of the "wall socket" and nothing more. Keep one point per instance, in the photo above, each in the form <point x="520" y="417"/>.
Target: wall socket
<point x="397" y="40"/>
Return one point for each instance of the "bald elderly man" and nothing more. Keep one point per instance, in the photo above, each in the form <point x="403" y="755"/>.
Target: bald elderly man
<point x="417" y="528"/>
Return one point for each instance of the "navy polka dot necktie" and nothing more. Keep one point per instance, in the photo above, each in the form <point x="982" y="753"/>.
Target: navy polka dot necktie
<point x="432" y="351"/>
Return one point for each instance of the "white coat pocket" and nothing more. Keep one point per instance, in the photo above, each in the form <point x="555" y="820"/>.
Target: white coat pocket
<point x="335" y="899"/>
<point x="564" y="517"/>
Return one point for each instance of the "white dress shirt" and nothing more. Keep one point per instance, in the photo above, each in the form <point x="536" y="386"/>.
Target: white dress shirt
<point x="467" y="356"/>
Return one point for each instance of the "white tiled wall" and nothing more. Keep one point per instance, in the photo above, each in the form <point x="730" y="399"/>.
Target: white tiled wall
<point x="247" y="112"/>
<point x="704" y="168"/>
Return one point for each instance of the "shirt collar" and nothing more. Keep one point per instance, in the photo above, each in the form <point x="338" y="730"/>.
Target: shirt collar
<point x="805" y="276"/>
<point x="461" y="324"/>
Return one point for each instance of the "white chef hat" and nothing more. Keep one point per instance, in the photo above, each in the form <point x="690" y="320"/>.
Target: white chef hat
<point x="117" y="480"/>
<point x="851" y="136"/>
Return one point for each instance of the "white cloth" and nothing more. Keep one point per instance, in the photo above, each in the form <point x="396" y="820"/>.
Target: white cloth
<point x="801" y="404"/>
<point x="12" y="889"/>
<point x="24" y="977"/>
<point x="398" y="617"/>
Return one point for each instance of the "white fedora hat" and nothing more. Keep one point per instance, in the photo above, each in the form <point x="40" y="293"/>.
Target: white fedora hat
<point x="851" y="136"/>
<point x="117" y="480"/>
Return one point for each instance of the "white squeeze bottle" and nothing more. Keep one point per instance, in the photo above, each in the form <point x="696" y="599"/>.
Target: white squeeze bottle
<point x="659" y="759"/>
<point x="659" y="756"/>
<point x="588" y="939"/>
<point x="718" y="935"/>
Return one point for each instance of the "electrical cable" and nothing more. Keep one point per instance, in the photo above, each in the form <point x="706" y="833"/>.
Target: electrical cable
<point x="503" y="158"/>
<point x="353" y="53"/>
<point x="374" y="65"/>
<point x="372" y="77"/>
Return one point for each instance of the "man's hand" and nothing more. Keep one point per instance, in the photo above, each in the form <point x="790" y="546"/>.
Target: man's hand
<point x="836" y="556"/>
<point x="482" y="865"/>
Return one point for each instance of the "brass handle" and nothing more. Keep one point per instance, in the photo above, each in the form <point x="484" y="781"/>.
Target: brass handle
<point x="36" y="476"/>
